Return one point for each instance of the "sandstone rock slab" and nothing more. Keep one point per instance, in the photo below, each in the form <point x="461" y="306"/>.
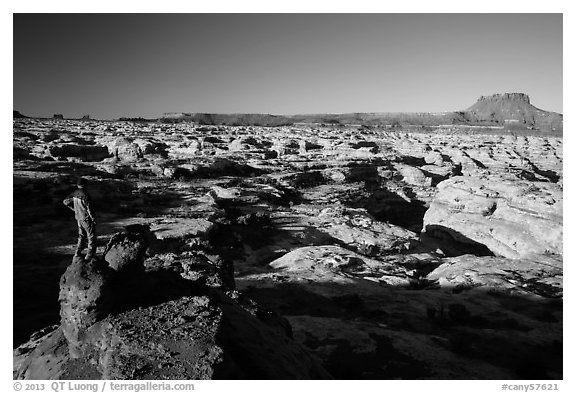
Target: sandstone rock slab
<point x="513" y="218"/>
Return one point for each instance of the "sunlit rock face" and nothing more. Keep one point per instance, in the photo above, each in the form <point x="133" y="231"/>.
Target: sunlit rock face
<point x="513" y="218"/>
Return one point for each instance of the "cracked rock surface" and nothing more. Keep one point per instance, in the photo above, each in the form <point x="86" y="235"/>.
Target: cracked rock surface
<point x="306" y="251"/>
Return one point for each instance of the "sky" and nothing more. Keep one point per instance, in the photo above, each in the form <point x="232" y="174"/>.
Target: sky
<point x="113" y="65"/>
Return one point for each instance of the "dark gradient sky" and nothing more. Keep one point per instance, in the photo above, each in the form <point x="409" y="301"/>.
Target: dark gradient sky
<point x="116" y="65"/>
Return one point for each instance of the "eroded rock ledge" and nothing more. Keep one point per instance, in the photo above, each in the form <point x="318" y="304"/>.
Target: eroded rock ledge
<point x="125" y="321"/>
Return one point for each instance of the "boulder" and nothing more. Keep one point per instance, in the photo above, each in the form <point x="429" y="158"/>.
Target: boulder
<point x="413" y="175"/>
<point x="244" y="143"/>
<point x="84" y="299"/>
<point x="434" y="158"/>
<point x="337" y="175"/>
<point x="125" y="251"/>
<point x="124" y="149"/>
<point x="223" y="193"/>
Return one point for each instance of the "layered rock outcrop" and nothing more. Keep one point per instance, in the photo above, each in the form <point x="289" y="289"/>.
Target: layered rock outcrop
<point x="539" y="274"/>
<point x="513" y="218"/>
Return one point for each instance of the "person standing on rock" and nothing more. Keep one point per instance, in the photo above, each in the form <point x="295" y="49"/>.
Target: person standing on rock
<point x="79" y="203"/>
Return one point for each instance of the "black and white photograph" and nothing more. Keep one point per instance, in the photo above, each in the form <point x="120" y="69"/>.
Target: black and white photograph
<point x="287" y="196"/>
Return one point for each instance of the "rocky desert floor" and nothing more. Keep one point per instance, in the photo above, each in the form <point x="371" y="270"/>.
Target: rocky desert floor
<point x="384" y="254"/>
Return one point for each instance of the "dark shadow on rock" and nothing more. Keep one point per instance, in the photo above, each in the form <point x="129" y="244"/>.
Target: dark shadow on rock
<point x="154" y="202"/>
<point x="384" y="362"/>
<point x="367" y="174"/>
<point x="454" y="243"/>
<point x="254" y="349"/>
<point x="131" y="291"/>
<point x="387" y="206"/>
<point x="493" y="335"/>
<point x="308" y="179"/>
<point x="229" y="240"/>
<point x="477" y="163"/>
<point x="226" y="167"/>
<point x="412" y="161"/>
<point x="551" y="175"/>
<point x="35" y="293"/>
<point x="295" y="299"/>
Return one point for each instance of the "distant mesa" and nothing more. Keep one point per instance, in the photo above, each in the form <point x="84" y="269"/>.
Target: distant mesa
<point x="506" y="97"/>
<point x="18" y="115"/>
<point x="86" y="117"/>
<point x="512" y="109"/>
<point x="58" y="116"/>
